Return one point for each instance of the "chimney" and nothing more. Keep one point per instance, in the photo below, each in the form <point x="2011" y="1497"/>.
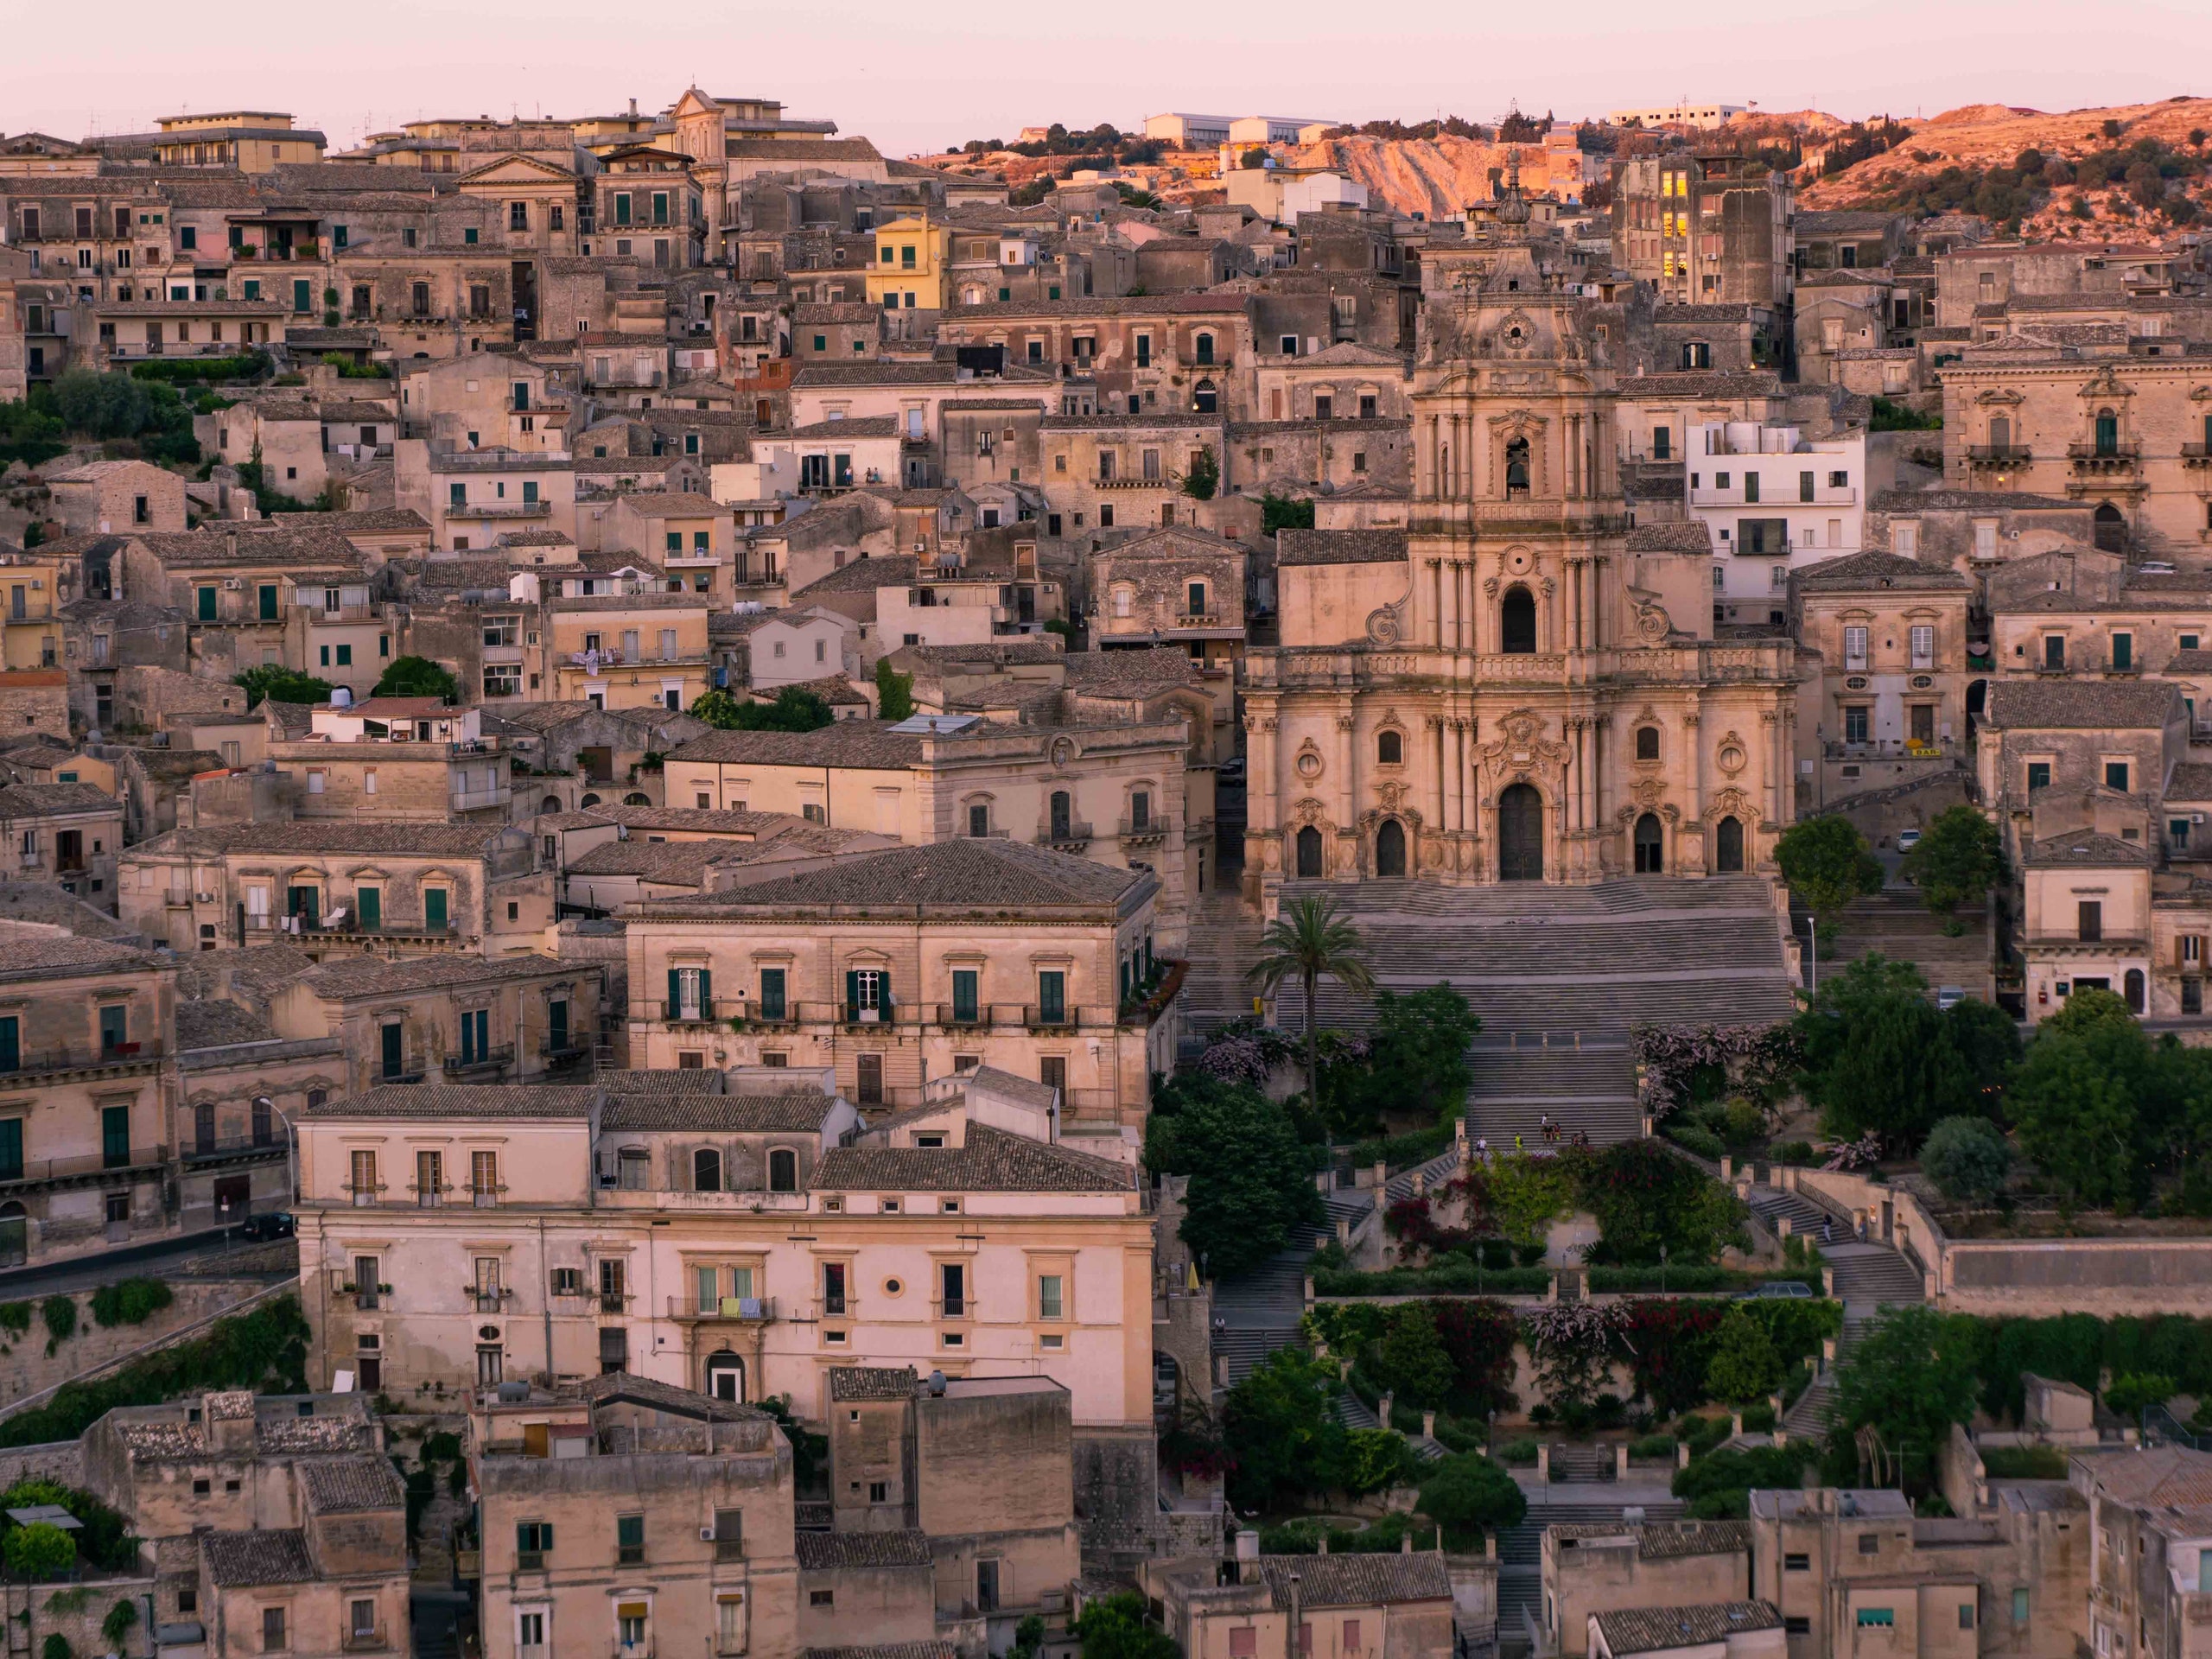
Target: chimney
<point x="633" y="107"/>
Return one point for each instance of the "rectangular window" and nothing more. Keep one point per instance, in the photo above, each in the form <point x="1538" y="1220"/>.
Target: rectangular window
<point x="364" y="1172"/>
<point x="115" y="1030"/>
<point x="964" y="1001"/>
<point x="115" y="1136"/>
<point x="433" y="910"/>
<point x="2089" y="919"/>
<point x="832" y="1289"/>
<point x="1966" y="1615"/>
<point x="1921" y="638"/>
<point x="2116" y="775"/>
<point x="772" y="1005"/>
<point x="1048" y="1296"/>
<point x="12" y="1149"/>
<point x="629" y="1540"/>
<point x="1854" y="647"/>
<point x="952" y="1288"/>
<point x="272" y="1629"/>
<point x="2123" y="651"/>
<point x="2038" y="775"/>
<point x="1051" y="997"/>
<point x="1804" y="487"/>
<point x="484" y="1179"/>
<point x="2020" y="1605"/>
<point x="429" y="1178"/>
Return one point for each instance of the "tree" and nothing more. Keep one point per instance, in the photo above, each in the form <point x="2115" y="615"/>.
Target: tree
<point x="1114" y="1629"/>
<point x="1469" y="1495"/>
<point x="1827" y="863"/>
<point x="1967" y="1159"/>
<point x="1879" y="1059"/>
<point x="1745" y="1367"/>
<point x="416" y="676"/>
<point x="1910" y="1377"/>
<point x="1253" y="160"/>
<point x="284" y="685"/>
<point x="894" y="691"/>
<point x="1280" y="513"/>
<point x="1251" y="1178"/>
<point x="1204" y="478"/>
<point x="794" y="710"/>
<point x="1306" y="941"/>
<point x="1416" y="1064"/>
<point x="1411" y="1361"/>
<point x="1284" y="1441"/>
<point x="1959" y="859"/>
<point x="39" y="1550"/>
<point x="2079" y="1101"/>
<point x="102" y="405"/>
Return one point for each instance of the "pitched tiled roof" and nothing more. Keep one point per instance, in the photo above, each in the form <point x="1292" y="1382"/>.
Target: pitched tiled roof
<point x="993" y="1161"/>
<point x="2191" y="781"/>
<point x="822" y="1552"/>
<point x="211" y="1022"/>
<point x="959" y="873"/>
<point x="666" y="1396"/>
<point x="343" y="976"/>
<point x="1876" y="568"/>
<point x="863" y="426"/>
<point x="1340" y="546"/>
<point x="47" y="957"/>
<point x="239" y="1559"/>
<point x="1366" y="1581"/>
<point x="651" y="861"/>
<point x="859" y="575"/>
<point x="1691" y="537"/>
<point x="871" y="1383"/>
<point x="43" y="800"/>
<point x="2080" y="704"/>
<point x="345" y="1485"/>
<point x="930" y="1649"/>
<point x="2168" y="1475"/>
<point x="865" y="743"/>
<point x="460" y="1100"/>
<point x="874" y="373"/>
<point x="1699" y="383"/>
<point x="797" y="1111"/>
<point x="1651" y="1630"/>
<point x="1659" y="1540"/>
<point x="1911" y="501"/>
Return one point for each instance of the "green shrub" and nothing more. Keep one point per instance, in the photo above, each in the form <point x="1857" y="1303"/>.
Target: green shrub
<point x="131" y="1301"/>
<point x="1967" y="1158"/>
<point x="1456" y="1273"/>
<point x="1758" y="1420"/>
<point x="1518" y="1452"/>
<point x="121" y="1620"/>
<point x="15" y="1318"/>
<point x="2024" y="1463"/>
<point x="1402" y="1151"/>
<point x="60" y="1313"/>
<point x="39" y="1550"/>
<point x="1792" y="1152"/>
<point x="2130" y="1393"/>
<point x="1652" y="1448"/>
<point x="1468" y="1496"/>
<point x="1691" y="1138"/>
<point x="57" y="1646"/>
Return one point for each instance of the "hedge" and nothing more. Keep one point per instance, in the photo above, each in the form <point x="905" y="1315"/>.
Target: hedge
<point x="1456" y="1275"/>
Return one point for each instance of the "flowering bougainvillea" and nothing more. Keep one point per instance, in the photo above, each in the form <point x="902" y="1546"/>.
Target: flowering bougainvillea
<point x="1751" y="1059"/>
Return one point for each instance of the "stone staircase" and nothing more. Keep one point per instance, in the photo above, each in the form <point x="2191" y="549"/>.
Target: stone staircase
<point x="1896" y="923"/>
<point x="1868" y="1277"/>
<point x="1520" y="1559"/>
<point x="1224" y="942"/>
<point x="1559" y="976"/>
<point x="1571" y="1463"/>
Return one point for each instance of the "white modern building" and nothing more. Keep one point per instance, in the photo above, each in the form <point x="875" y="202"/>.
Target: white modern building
<point x="1703" y="116"/>
<point x="1772" y="500"/>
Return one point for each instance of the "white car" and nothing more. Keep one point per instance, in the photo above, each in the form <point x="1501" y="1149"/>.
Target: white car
<point x="1907" y="840"/>
<point x="1949" y="997"/>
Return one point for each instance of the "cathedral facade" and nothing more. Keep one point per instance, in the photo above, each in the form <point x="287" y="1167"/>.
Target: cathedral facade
<point x="1520" y="685"/>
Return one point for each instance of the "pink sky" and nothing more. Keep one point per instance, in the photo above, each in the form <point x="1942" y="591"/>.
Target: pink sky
<point x="900" y="75"/>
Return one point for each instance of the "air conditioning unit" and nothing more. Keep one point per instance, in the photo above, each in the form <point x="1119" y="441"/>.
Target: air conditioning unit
<point x="706" y="1534"/>
<point x="232" y="584"/>
<point x="2196" y="817"/>
<point x="204" y="898"/>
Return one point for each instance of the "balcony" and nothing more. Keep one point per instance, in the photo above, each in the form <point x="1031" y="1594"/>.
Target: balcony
<point x="1995" y="456"/>
<point x="1198" y="620"/>
<point x="613" y="1301"/>
<point x="216" y="1147"/>
<point x="954" y="1016"/>
<point x="366" y="1641"/>
<point x="486" y="1299"/>
<point x="117" y="1161"/>
<point x="749" y="1310"/>
<point x="58" y="1063"/>
<point x="1064" y="1017"/>
<point x="1067" y="838"/>
<point x="478" y="800"/>
<point x="1145" y="830"/>
<point x="698" y="1012"/>
<point x="2093" y="460"/>
<point x="477" y="1067"/>
<point x="2194" y="455"/>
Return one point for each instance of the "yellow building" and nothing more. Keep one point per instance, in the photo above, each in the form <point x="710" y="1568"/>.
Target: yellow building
<point x="912" y="259"/>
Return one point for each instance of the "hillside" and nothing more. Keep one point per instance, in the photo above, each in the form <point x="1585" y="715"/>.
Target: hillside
<point x="1434" y="176"/>
<point x="2137" y="170"/>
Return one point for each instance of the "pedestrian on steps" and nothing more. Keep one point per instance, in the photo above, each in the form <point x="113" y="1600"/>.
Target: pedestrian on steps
<point x="1517" y="1146"/>
<point x="1827" y="1230"/>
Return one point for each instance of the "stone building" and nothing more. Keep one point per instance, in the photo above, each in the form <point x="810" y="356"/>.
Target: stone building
<point x="1891" y="638"/>
<point x="1593" y="1569"/>
<point x="1521" y="687"/>
<point x="2149" y="1524"/>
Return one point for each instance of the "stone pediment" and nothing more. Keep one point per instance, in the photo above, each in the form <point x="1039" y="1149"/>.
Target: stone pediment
<point x="517" y="169"/>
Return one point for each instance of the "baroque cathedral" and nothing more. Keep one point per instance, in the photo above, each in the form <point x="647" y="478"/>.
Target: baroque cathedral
<point x="1521" y="685"/>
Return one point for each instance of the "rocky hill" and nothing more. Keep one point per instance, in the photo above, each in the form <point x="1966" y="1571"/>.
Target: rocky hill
<point x="2138" y="171"/>
<point x="1434" y="176"/>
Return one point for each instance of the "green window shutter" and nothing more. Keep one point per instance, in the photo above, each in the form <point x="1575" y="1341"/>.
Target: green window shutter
<point x="883" y="994"/>
<point x="852" y="993"/>
<point x="675" y="991"/>
<point x="302" y="295"/>
<point x="268" y="602"/>
<point x="12" y="1149"/>
<point x="706" y="991"/>
<point x="206" y="604"/>
<point x="11" y="1050"/>
<point x="371" y="901"/>
<point x="434" y="908"/>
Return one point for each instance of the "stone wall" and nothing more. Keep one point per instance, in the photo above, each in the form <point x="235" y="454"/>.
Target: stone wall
<point x="2108" y="1277"/>
<point x="25" y="1369"/>
<point x="61" y="1460"/>
<point x="1116" y="1495"/>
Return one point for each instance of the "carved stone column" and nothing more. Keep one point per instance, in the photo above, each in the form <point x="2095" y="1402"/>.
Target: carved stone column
<point x="1347" y="783"/>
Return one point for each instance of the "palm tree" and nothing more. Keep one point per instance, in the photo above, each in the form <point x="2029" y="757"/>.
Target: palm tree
<point x="1307" y="939"/>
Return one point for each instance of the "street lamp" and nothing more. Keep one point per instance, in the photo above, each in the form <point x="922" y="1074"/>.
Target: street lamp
<point x="291" y="1148"/>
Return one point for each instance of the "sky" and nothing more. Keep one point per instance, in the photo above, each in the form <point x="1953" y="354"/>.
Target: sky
<point x="920" y="78"/>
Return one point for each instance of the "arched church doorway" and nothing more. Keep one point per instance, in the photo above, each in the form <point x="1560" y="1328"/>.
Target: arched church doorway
<point x="1650" y="845"/>
<point x="1517" y="622"/>
<point x="1309" y="852"/>
<point x="1728" y="846"/>
<point x="1390" y="849"/>
<point x="1520" y="835"/>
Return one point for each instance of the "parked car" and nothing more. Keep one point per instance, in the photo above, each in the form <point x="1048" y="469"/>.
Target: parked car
<point x="1907" y="840"/>
<point x="276" y="1225"/>
<point x="1949" y="997"/>
<point x="1778" y="1289"/>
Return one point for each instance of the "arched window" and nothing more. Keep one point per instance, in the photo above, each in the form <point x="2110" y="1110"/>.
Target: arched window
<point x="1728" y="847"/>
<point x="705" y="1170"/>
<point x="1391" y="749"/>
<point x="1309" y="852"/>
<point x="2111" y="526"/>
<point x="1650" y="845"/>
<point x="636" y="798"/>
<point x="2107" y="433"/>
<point x="1517" y="622"/>
<point x="1063" y="815"/>
<point x="1390" y="849"/>
<point x="1646" y="742"/>
<point x="550" y="804"/>
<point x="1517" y="467"/>
<point x="725" y="1376"/>
<point x="1205" y="400"/>
<point x="2132" y="988"/>
<point x="588" y="800"/>
<point x="782" y="1170"/>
